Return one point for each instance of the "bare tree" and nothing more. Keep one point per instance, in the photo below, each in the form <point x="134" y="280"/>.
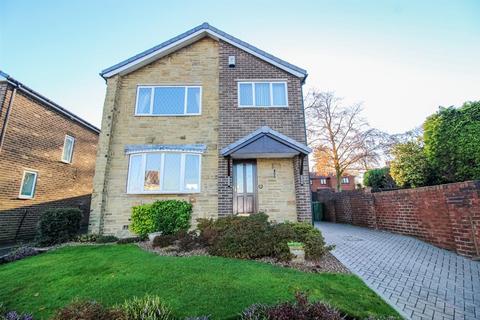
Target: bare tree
<point x="341" y="133"/>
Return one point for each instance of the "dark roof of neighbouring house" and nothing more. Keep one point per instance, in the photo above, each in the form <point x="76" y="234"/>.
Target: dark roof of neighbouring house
<point x="189" y="37"/>
<point x="32" y="93"/>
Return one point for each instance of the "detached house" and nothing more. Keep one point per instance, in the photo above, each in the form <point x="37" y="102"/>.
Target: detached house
<point x="207" y="118"/>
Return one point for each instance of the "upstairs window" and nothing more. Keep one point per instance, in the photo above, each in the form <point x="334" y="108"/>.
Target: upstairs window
<point x="29" y="181"/>
<point x="168" y="100"/>
<point x="262" y="94"/>
<point x="164" y="172"/>
<point x="323" y="181"/>
<point x="345" y="180"/>
<point x="67" y="153"/>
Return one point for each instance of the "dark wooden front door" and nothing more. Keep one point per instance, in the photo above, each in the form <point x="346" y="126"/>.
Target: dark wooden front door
<point x="245" y="187"/>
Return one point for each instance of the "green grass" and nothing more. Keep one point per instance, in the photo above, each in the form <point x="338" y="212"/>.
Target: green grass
<point x="190" y="286"/>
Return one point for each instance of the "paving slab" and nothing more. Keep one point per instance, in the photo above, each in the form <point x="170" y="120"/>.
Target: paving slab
<point x="419" y="280"/>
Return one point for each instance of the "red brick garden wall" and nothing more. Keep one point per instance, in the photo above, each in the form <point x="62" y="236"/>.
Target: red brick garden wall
<point x="447" y="216"/>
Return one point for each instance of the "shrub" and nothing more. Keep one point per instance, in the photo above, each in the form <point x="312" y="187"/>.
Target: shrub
<point x="301" y="309"/>
<point x="164" y="240"/>
<point x="88" y="310"/>
<point x="378" y="179"/>
<point x="20" y="253"/>
<point x="168" y="217"/>
<point x="58" y="226"/>
<point x="146" y="308"/>
<point x="87" y="237"/>
<point x="106" y="239"/>
<point x="410" y="167"/>
<point x="188" y="241"/>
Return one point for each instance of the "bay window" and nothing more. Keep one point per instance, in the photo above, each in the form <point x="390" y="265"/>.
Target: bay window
<point x="168" y="100"/>
<point x="164" y="172"/>
<point x="262" y="94"/>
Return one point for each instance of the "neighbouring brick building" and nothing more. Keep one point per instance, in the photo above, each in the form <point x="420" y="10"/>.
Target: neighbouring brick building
<point x="322" y="182"/>
<point x="47" y="159"/>
<point x="206" y="118"/>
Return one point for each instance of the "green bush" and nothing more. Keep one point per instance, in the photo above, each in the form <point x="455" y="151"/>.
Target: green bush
<point x="452" y="143"/>
<point x="88" y="310"/>
<point x="106" y="239"/>
<point x="168" y="217"/>
<point x="378" y="179"/>
<point x="129" y="240"/>
<point x="255" y="237"/>
<point x="146" y="308"/>
<point x="58" y="226"/>
<point x="410" y="166"/>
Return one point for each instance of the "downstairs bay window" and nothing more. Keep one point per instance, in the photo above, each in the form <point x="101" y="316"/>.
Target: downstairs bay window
<point x="164" y="173"/>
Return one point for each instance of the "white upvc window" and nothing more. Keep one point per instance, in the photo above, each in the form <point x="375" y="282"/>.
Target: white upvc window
<point x="168" y="101"/>
<point x="345" y="180"/>
<point x="164" y="173"/>
<point x="323" y="181"/>
<point x="262" y="94"/>
<point x="67" y="153"/>
<point x="27" y="187"/>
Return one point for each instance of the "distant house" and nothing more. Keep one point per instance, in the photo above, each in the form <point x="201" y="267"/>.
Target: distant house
<point x="47" y="159"/>
<point x="206" y="118"/>
<point x="322" y="182"/>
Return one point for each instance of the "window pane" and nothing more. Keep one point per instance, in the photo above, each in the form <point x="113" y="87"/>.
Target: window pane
<point x="169" y="100"/>
<point x="279" y="94"/>
<point x="28" y="184"/>
<point x="246" y="94"/>
<point x="239" y="177"/>
<point x="171" y="173"/>
<point x="193" y="100"/>
<point x="135" y="174"/>
<point x="262" y="94"/>
<point x="143" y="101"/>
<point x="249" y="175"/>
<point x="68" y="149"/>
<point x="152" y="172"/>
<point x="192" y="170"/>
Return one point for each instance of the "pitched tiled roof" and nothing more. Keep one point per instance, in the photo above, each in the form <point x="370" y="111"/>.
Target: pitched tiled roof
<point x="190" y="36"/>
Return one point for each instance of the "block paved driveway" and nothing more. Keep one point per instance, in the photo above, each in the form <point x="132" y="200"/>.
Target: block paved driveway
<point x="419" y="280"/>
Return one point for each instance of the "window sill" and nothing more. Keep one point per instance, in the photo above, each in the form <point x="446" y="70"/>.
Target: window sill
<point x="66" y="162"/>
<point x="168" y="115"/>
<point x="163" y="193"/>
<point x="254" y="107"/>
<point x="24" y="198"/>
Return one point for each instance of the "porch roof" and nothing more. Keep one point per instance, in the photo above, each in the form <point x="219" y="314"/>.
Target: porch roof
<point x="265" y="143"/>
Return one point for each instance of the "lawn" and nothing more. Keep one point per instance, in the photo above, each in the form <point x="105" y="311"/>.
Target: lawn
<point x="190" y="285"/>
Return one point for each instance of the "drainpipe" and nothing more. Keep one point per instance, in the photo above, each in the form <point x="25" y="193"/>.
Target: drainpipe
<point x="7" y="116"/>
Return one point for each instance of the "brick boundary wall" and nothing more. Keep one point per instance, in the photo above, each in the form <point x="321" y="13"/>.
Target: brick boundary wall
<point x="447" y="216"/>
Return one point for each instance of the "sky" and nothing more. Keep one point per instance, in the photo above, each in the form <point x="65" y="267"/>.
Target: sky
<point x="402" y="59"/>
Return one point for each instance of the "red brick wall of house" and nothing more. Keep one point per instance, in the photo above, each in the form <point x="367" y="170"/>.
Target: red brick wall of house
<point x="34" y="139"/>
<point x="236" y="123"/>
<point x="331" y="183"/>
<point x="447" y="216"/>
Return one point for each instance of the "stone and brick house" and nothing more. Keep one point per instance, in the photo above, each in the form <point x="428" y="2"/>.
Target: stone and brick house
<point x="329" y="181"/>
<point x="207" y="118"/>
<point x="47" y="159"/>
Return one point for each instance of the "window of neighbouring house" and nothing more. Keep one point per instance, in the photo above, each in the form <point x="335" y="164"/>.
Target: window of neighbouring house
<point x="29" y="181"/>
<point x="323" y="181"/>
<point x="164" y="172"/>
<point x="168" y="100"/>
<point x="345" y="180"/>
<point x="262" y="94"/>
<point x="67" y="153"/>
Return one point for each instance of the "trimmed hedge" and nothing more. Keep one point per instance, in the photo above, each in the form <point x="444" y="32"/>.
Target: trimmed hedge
<point x="58" y="226"/>
<point x="168" y="217"/>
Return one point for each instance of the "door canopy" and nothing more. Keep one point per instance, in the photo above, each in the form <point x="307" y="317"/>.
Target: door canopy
<point x="265" y="143"/>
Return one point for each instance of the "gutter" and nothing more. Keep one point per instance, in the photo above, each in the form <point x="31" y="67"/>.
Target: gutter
<point x="7" y="116"/>
<point x="48" y="102"/>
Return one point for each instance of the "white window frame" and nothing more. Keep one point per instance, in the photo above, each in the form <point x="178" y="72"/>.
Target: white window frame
<point x="67" y="137"/>
<point x="182" y="189"/>
<point x="32" y="193"/>
<point x="152" y="91"/>
<point x="345" y="180"/>
<point x="323" y="181"/>
<point x="252" y="83"/>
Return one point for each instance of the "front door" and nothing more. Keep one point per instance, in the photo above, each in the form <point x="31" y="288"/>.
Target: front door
<point x="244" y="187"/>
